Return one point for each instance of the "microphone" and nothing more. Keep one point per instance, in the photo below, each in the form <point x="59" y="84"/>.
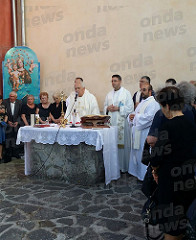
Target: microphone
<point x="75" y="99"/>
<point x="76" y="96"/>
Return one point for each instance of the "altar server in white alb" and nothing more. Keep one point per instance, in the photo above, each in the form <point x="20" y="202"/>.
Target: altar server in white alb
<point x="81" y="103"/>
<point x="141" y="121"/>
<point x="119" y="104"/>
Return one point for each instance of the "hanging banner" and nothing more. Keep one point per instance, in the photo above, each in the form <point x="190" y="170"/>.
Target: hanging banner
<point x="21" y="73"/>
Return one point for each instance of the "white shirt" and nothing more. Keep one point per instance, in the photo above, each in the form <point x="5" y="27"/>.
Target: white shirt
<point x="12" y="106"/>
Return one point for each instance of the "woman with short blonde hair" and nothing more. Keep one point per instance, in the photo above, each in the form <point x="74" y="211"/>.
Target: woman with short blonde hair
<point x="56" y="108"/>
<point x="28" y="109"/>
<point x="43" y="108"/>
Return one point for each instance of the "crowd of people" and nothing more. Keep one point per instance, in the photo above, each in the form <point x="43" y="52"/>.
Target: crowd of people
<point x="161" y="124"/>
<point x="14" y="114"/>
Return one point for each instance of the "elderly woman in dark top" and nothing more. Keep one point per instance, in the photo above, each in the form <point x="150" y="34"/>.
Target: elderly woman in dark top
<point x="172" y="161"/>
<point x="3" y="120"/>
<point x="43" y="108"/>
<point x="189" y="93"/>
<point x="56" y="108"/>
<point x="28" y="109"/>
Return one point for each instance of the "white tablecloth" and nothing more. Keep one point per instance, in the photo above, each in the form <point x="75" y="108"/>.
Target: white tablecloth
<point x="105" y="138"/>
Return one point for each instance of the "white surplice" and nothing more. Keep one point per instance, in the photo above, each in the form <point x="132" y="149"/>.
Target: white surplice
<point x="85" y="105"/>
<point x="144" y="114"/>
<point x="122" y="99"/>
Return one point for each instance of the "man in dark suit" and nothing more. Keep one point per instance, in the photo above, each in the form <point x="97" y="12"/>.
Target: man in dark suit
<point x="13" y="106"/>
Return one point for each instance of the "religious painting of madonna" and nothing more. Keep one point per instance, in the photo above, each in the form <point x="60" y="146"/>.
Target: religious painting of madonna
<point x="21" y="73"/>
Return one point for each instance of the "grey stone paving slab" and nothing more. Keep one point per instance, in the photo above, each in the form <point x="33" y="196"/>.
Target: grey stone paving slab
<point x="27" y="225"/>
<point x="94" y="208"/>
<point x="1" y="196"/>
<point x="41" y="234"/>
<point x="114" y="201"/>
<point x="6" y="204"/>
<point x="100" y="199"/>
<point x="123" y="189"/>
<point x="73" y="208"/>
<point x="87" y="196"/>
<point x="15" y="191"/>
<point x="29" y="209"/>
<point x="113" y="225"/>
<point x="69" y="232"/>
<point x="74" y="193"/>
<point x="3" y="227"/>
<point x="125" y="208"/>
<point x="33" y="208"/>
<point x="112" y="236"/>
<point x="65" y="221"/>
<point x="84" y="204"/>
<point x="67" y="202"/>
<point x="85" y="220"/>
<point x="90" y="234"/>
<point x="13" y="234"/>
<point x="36" y="202"/>
<point x="45" y="213"/>
<point x="9" y="210"/>
<point x="16" y="217"/>
<point x="131" y="217"/>
<point x="105" y="192"/>
<point x="109" y="213"/>
<point x="129" y="200"/>
<point x="43" y="195"/>
<point x="47" y="224"/>
<point x="20" y="198"/>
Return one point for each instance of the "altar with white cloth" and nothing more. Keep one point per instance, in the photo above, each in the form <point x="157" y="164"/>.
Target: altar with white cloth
<point x="40" y="140"/>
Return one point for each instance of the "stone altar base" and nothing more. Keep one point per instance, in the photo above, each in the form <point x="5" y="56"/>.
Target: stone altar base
<point x="79" y="164"/>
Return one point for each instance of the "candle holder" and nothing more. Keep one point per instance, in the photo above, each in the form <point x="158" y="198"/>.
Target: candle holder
<point x="63" y="120"/>
<point x="36" y="118"/>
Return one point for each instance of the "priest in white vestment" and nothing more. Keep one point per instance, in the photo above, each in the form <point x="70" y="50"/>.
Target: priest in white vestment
<point x="81" y="103"/>
<point x="141" y="121"/>
<point x="137" y="97"/>
<point x="119" y="104"/>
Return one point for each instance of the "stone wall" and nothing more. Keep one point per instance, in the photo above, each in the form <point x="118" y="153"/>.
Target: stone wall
<point x="96" y="39"/>
<point x="79" y="164"/>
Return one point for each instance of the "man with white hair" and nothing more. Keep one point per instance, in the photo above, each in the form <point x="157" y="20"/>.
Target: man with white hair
<point x="81" y="102"/>
<point x="13" y="106"/>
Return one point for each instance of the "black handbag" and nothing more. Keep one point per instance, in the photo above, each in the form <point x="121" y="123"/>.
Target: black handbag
<point x="146" y="154"/>
<point x="148" y="208"/>
<point x="149" y="185"/>
<point x="149" y="217"/>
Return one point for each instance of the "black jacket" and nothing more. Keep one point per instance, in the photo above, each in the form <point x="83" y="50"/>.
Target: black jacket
<point x="17" y="110"/>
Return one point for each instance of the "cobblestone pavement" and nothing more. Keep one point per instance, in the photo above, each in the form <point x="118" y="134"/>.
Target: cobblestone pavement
<point x="37" y="209"/>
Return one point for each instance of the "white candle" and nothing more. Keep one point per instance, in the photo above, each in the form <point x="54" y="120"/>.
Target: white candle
<point x="32" y="120"/>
